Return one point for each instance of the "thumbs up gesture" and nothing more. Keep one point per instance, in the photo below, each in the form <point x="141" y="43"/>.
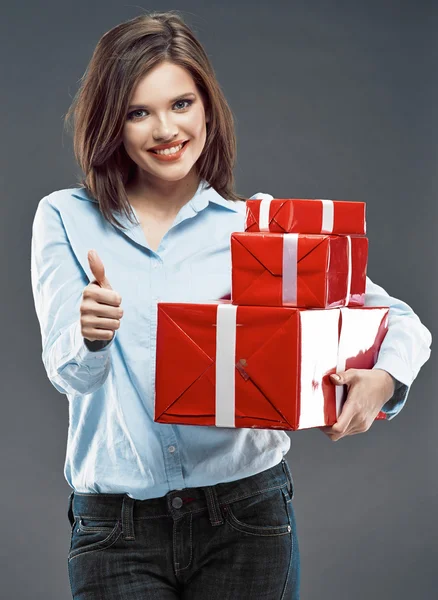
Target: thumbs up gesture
<point x="100" y="308"/>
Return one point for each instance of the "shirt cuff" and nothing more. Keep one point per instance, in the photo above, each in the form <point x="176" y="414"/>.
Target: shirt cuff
<point x="403" y="380"/>
<point x="84" y="355"/>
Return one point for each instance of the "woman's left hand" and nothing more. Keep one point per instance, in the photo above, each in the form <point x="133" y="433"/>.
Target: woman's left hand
<point x="368" y="391"/>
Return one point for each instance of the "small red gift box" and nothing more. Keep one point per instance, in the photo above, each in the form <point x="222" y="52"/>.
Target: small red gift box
<point x="299" y="215"/>
<point x="309" y="271"/>
<point x="223" y="365"/>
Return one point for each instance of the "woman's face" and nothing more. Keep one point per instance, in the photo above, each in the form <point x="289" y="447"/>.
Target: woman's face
<point x="164" y="103"/>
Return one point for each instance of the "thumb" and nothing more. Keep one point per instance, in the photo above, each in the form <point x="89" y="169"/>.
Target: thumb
<point x="344" y="377"/>
<point x="340" y="378"/>
<point x="98" y="270"/>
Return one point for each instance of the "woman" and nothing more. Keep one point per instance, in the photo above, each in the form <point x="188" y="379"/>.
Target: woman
<point x="159" y="510"/>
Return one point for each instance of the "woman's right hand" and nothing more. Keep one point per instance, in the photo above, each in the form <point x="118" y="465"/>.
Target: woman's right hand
<point x="100" y="307"/>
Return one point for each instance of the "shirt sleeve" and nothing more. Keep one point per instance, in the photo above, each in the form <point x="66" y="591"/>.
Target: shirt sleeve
<point x="58" y="281"/>
<point x="405" y="348"/>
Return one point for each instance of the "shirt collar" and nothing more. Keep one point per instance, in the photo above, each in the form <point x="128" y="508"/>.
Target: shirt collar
<point x="203" y="196"/>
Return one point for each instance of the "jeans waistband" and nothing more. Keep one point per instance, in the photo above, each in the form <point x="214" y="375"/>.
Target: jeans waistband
<point x="177" y="503"/>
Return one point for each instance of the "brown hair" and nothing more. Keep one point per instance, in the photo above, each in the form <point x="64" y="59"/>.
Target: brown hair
<point x="123" y="56"/>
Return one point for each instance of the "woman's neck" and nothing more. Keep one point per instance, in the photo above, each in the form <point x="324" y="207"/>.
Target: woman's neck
<point x="162" y="201"/>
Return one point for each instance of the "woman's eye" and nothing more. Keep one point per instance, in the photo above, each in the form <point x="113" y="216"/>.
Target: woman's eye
<point x="132" y="116"/>
<point x="189" y="102"/>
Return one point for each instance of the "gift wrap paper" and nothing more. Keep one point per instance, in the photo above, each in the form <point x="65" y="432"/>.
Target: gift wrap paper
<point x="222" y="365"/>
<point x="302" y="270"/>
<point x="305" y="215"/>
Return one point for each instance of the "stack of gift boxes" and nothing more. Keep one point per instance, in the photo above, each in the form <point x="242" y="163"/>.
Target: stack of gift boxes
<point x="296" y="315"/>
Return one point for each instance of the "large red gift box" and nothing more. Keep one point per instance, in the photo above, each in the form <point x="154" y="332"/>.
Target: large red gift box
<point x="309" y="271"/>
<point x="223" y="365"/>
<point x="305" y="215"/>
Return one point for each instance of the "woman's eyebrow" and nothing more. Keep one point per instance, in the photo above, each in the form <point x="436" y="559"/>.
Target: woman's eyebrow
<point x="134" y="106"/>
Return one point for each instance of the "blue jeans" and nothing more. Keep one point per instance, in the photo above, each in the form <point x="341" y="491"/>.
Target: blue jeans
<point x="230" y="541"/>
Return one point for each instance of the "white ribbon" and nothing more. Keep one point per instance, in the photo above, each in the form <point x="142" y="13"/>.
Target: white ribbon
<point x="290" y="267"/>
<point x="347" y="299"/>
<point x="265" y="206"/>
<point x="328" y="211"/>
<point x="225" y="365"/>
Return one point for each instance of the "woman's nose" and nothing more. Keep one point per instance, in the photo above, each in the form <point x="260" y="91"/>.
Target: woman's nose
<point x="164" y="132"/>
<point x="164" y="139"/>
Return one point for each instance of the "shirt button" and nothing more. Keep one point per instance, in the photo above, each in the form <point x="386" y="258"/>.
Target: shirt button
<point x="171" y="448"/>
<point x="177" y="502"/>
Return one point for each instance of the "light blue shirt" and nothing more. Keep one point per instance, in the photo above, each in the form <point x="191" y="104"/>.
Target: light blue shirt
<point x="114" y="445"/>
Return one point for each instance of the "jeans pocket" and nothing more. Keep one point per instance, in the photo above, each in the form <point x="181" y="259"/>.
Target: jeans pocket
<point x="93" y="533"/>
<point x="264" y="513"/>
<point x="95" y="524"/>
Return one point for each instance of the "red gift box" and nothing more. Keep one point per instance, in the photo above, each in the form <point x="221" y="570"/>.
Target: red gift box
<point x="309" y="271"/>
<point x="223" y="365"/>
<point x="299" y="215"/>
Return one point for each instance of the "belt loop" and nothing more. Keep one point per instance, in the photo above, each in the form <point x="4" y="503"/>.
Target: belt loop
<point x="288" y="474"/>
<point x="128" y="517"/>
<point x="70" y="509"/>
<point x="214" y="510"/>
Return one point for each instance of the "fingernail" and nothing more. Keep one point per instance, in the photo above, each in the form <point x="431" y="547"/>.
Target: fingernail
<point x="336" y="377"/>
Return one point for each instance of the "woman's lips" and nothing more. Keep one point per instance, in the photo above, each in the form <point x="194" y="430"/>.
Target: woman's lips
<point x="169" y="157"/>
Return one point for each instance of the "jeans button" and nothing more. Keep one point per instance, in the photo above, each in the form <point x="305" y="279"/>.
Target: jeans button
<point x="177" y="502"/>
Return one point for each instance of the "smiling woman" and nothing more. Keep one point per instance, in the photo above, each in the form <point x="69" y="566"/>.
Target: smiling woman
<point x="155" y="138"/>
<point x="169" y="510"/>
<point x="149" y="87"/>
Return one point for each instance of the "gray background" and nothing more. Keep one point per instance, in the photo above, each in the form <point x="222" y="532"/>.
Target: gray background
<point x="333" y="100"/>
